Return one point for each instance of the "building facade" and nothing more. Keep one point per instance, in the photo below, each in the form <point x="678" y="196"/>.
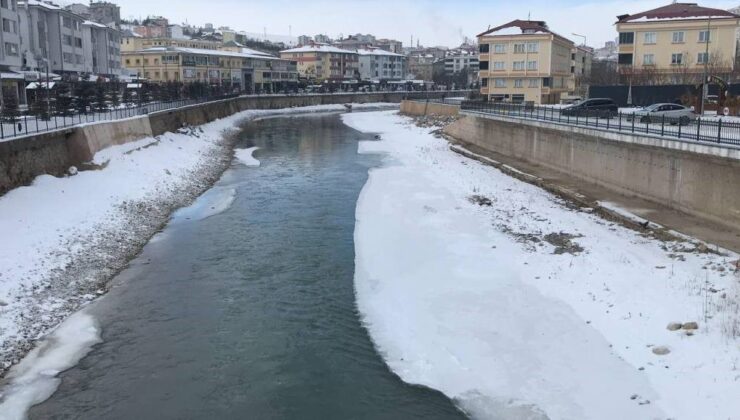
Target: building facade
<point x="243" y="71"/>
<point x="674" y="43"/>
<point x="321" y="62"/>
<point x="380" y="65"/>
<point x="524" y="61"/>
<point x="137" y="43"/>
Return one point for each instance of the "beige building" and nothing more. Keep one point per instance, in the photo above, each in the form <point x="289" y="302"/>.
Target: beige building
<point x="525" y="61"/>
<point x="669" y="44"/>
<point x="321" y="62"/>
<point x="243" y="70"/>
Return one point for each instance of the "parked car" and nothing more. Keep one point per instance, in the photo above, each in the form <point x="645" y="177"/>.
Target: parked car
<point x="670" y="113"/>
<point x="596" y="107"/>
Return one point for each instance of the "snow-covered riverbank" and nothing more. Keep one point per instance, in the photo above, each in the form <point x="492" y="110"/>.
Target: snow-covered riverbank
<point x="63" y="238"/>
<point x="519" y="306"/>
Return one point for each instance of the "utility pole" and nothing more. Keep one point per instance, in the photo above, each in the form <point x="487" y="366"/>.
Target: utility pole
<point x="706" y="67"/>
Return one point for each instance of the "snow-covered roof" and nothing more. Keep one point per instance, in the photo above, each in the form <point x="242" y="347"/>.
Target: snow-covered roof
<point x="44" y="4"/>
<point x="678" y="11"/>
<point x="318" y="48"/>
<point x="96" y="24"/>
<point x="377" y="51"/>
<point x="220" y="53"/>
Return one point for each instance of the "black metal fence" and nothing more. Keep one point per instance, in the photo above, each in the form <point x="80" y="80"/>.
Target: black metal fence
<point x="704" y="129"/>
<point x="21" y="125"/>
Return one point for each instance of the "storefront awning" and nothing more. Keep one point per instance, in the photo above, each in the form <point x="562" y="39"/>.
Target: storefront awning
<point x="40" y="85"/>
<point x="11" y="75"/>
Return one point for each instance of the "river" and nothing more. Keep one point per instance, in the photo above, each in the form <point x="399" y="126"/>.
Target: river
<point x="244" y="305"/>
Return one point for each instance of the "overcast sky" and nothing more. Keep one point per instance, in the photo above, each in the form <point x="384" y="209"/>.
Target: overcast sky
<point x="434" y="22"/>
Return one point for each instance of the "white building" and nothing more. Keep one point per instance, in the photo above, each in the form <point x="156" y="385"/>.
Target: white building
<point x="176" y="32"/>
<point x="381" y="65"/>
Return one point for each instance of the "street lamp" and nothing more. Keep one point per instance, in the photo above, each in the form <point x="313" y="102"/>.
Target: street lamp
<point x="581" y="36"/>
<point x="704" y="87"/>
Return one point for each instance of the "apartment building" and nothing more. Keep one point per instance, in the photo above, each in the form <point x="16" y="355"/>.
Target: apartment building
<point x="10" y="51"/>
<point x="380" y="65"/>
<point x="245" y="71"/>
<point x="421" y="66"/>
<point x="101" y="45"/>
<point x="673" y="43"/>
<point x="322" y="62"/>
<point x="524" y="60"/>
<point x="52" y="33"/>
<point x="580" y="66"/>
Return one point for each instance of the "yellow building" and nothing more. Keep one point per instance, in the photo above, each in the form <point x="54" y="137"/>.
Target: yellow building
<point x="322" y="62"/>
<point x="524" y="61"/>
<point x="670" y="44"/>
<point x="244" y="71"/>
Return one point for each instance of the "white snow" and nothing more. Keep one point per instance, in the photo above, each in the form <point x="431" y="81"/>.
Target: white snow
<point x="246" y="157"/>
<point x="456" y="298"/>
<point x="45" y="226"/>
<point x="35" y="378"/>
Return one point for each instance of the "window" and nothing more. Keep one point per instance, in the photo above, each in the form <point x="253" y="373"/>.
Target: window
<point x="650" y="37"/>
<point x="704" y="36"/>
<point x="499" y="48"/>
<point x="78" y="59"/>
<point x="648" y="59"/>
<point x="531" y="65"/>
<point x="4" y="4"/>
<point x="702" y="58"/>
<point x="546" y="82"/>
<point x="677" y="59"/>
<point x="518" y="83"/>
<point x="483" y="48"/>
<point x="66" y="22"/>
<point x="10" y="26"/>
<point x="500" y="83"/>
<point x="626" y="38"/>
<point x="499" y="65"/>
<point x="67" y="40"/>
<point x="518" y="48"/>
<point x="128" y="61"/>
<point x="68" y="58"/>
<point x="625" y="59"/>
<point x="484" y="82"/>
<point x="534" y="83"/>
<point x="78" y="42"/>
<point x="483" y="65"/>
<point x="678" y="37"/>
<point x="11" y="49"/>
<point x="533" y="47"/>
<point x="518" y="65"/>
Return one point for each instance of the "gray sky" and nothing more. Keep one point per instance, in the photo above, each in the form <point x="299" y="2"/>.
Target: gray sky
<point x="434" y="22"/>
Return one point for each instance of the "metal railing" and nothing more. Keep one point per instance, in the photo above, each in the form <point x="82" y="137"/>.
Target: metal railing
<point x="23" y="125"/>
<point x="701" y="129"/>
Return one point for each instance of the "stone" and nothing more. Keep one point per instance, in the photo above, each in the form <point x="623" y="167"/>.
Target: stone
<point x="674" y="326"/>
<point x="691" y="326"/>
<point x="661" y="350"/>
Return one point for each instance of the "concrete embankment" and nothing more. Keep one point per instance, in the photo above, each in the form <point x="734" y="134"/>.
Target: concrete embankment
<point x="698" y="179"/>
<point x="420" y="108"/>
<point x="24" y="158"/>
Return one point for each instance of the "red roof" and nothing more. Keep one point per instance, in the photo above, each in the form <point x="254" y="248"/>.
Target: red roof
<point x="678" y="11"/>
<point x="527" y="26"/>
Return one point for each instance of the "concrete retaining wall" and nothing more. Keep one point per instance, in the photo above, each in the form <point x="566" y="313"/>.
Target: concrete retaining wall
<point x="24" y="158"/>
<point x="428" y="108"/>
<point x="698" y="179"/>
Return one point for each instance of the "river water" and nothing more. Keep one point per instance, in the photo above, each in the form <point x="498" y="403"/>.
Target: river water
<point x="244" y="307"/>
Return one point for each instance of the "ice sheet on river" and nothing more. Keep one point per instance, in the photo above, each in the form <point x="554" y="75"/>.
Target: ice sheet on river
<point x="461" y="285"/>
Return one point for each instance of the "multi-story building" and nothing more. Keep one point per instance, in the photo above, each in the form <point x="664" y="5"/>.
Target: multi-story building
<point x="101" y="45"/>
<point x="52" y="33"/>
<point x="10" y="52"/>
<point x="390" y="45"/>
<point x="421" y="66"/>
<point x="580" y="66"/>
<point x="355" y="42"/>
<point x="137" y="43"/>
<point x="304" y="40"/>
<point x="322" y="62"/>
<point x="381" y="65"/>
<point x="524" y="61"/>
<point x="104" y="12"/>
<point x="247" y="70"/>
<point x="322" y="39"/>
<point x="675" y="42"/>
<point x="459" y="60"/>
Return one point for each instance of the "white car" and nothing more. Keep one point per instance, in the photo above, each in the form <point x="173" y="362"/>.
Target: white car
<point x="670" y="113"/>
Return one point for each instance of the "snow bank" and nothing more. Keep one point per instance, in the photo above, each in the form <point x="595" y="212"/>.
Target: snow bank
<point x="65" y="237"/>
<point x="487" y="305"/>
<point x="245" y="156"/>
<point x="35" y="378"/>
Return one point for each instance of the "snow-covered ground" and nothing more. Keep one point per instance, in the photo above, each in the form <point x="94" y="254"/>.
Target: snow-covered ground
<point x="63" y="238"/>
<point x="517" y="305"/>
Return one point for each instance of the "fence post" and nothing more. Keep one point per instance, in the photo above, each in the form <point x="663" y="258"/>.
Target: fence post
<point x="719" y="131"/>
<point x="679" y="128"/>
<point x="698" y="129"/>
<point x="633" y="122"/>
<point x="662" y="126"/>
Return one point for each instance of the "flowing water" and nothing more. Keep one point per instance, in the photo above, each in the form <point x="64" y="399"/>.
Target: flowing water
<point x="243" y="307"/>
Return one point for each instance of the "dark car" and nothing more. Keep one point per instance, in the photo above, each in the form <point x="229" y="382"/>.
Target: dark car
<point x="597" y="107"/>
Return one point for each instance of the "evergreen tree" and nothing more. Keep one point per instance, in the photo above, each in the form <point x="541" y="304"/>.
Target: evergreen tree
<point x="63" y="100"/>
<point x="10" y="108"/>
<point x="114" y="94"/>
<point x="83" y="93"/>
<point x="101" y="99"/>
